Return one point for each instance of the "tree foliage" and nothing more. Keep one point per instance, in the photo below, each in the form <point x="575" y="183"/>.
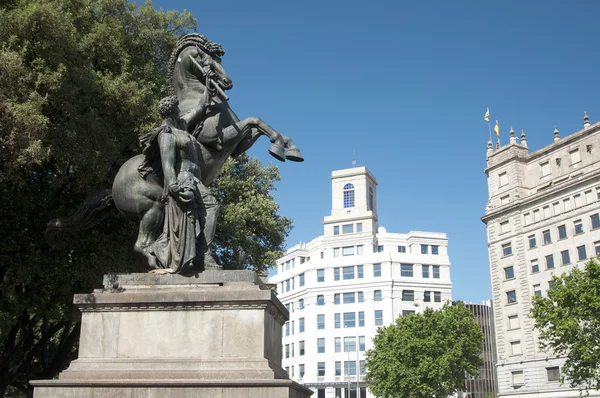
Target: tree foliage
<point x="568" y="321"/>
<point x="79" y="81"/>
<point x="425" y="355"/>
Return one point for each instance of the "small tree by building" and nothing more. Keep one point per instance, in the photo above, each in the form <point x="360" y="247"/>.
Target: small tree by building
<point x="425" y="355"/>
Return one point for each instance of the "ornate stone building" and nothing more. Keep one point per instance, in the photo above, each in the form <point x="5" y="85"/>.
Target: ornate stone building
<point x="542" y="218"/>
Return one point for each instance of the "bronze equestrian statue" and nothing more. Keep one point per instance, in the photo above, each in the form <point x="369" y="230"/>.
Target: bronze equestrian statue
<point x="164" y="188"/>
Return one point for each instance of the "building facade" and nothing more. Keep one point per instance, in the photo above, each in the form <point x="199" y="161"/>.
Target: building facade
<point x="542" y="219"/>
<point x="341" y="286"/>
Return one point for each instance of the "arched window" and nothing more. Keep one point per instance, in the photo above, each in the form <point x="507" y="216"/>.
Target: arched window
<point x="370" y="198"/>
<point x="348" y="196"/>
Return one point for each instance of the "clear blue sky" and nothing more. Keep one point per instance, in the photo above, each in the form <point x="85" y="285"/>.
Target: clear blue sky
<point x="405" y="85"/>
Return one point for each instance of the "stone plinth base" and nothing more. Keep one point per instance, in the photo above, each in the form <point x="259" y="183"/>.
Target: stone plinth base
<point x="217" y="334"/>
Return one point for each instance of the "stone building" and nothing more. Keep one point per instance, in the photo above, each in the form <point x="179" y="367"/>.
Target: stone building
<point x="542" y="219"/>
<point x="341" y="286"/>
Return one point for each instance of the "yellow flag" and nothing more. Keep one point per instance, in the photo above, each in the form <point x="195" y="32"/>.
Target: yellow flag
<point x="486" y="117"/>
<point x="497" y="129"/>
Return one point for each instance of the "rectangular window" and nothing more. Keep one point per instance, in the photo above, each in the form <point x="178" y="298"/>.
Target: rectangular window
<point x="287" y="286"/>
<point x="566" y="258"/>
<point x="567" y="204"/>
<point x="517" y="378"/>
<point x="338" y="368"/>
<point x="320" y="275"/>
<point x="435" y="250"/>
<point x="425" y="271"/>
<point x="359" y="250"/>
<point x="301" y="348"/>
<point x="537" y="290"/>
<point x="337" y="321"/>
<point x="376" y="270"/>
<point x="350" y="368"/>
<point x="350" y="344"/>
<point x="336" y="252"/>
<point x="513" y="322"/>
<point x="338" y="344"/>
<point x="320" y="346"/>
<point x="575" y="156"/>
<point x="503" y="179"/>
<point x="578" y="200"/>
<point x="380" y="249"/>
<point x="401" y="249"/>
<point x="581" y="254"/>
<point x="562" y="231"/>
<point x="361" y="297"/>
<point x="535" y="267"/>
<point x="424" y="249"/>
<point x="349" y="298"/>
<point x="553" y="373"/>
<point x="336" y="274"/>
<point x="511" y="297"/>
<point x="377" y="295"/>
<point x="320" y="300"/>
<point x="287" y="328"/>
<point x="348" y="272"/>
<point x="504" y="200"/>
<point x="320" y="321"/>
<point x="360" y="272"/>
<point x="361" y="343"/>
<point x="595" y="221"/>
<point x="506" y="249"/>
<point x="550" y="261"/>
<point x="301" y="304"/>
<point x="336" y="229"/>
<point x="287" y="350"/>
<point x="293" y="351"/>
<point x="547" y="213"/>
<point x="349" y="319"/>
<point x="408" y="295"/>
<point x="589" y="197"/>
<point x="301" y="325"/>
<point x="321" y="371"/>
<point x="427" y="297"/>
<point x="336" y="298"/>
<point x="547" y="237"/>
<point x="556" y="208"/>
<point x="532" y="242"/>
<point x="436" y="271"/>
<point x="578" y="227"/>
<point x="301" y="370"/>
<point x="361" y="319"/>
<point x="504" y="227"/>
<point x="348" y="228"/>
<point x="515" y="347"/>
<point x="292" y="328"/>
<point x="527" y="218"/>
<point x="348" y="251"/>
<point x="509" y="273"/>
<point x="406" y="270"/>
<point x="301" y="279"/>
<point x="358" y="227"/>
<point x="378" y="317"/>
<point x="437" y="297"/>
<point x="597" y="247"/>
<point x="321" y="391"/>
<point x="545" y="168"/>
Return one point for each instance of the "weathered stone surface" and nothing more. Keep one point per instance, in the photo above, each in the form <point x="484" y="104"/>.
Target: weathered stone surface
<point x="210" y="276"/>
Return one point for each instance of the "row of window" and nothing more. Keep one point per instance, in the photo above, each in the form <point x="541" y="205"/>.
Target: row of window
<point x="558" y="207"/>
<point x="349" y="368"/>
<point x="347" y="228"/>
<point x="565" y="258"/>
<point x="552" y="374"/>
<point x="346" y="344"/>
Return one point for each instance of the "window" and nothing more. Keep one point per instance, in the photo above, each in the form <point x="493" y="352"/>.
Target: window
<point x="378" y="317"/>
<point x="359" y="250"/>
<point x="578" y="227"/>
<point x="406" y="270"/>
<point x="360" y="272"/>
<point x="435" y="250"/>
<point x="567" y="204"/>
<point x="437" y="297"/>
<point x="348" y="251"/>
<point x="402" y="249"/>
<point x="581" y="253"/>
<point x="320" y="321"/>
<point x="349" y="298"/>
<point x="545" y="168"/>
<point x="578" y="200"/>
<point x="337" y="322"/>
<point x="532" y="243"/>
<point x="511" y="297"/>
<point x="504" y="200"/>
<point x="361" y="343"/>
<point x="425" y="271"/>
<point x="336" y="298"/>
<point x="535" y="267"/>
<point x="361" y="319"/>
<point x="562" y="232"/>
<point x="547" y="213"/>
<point x="301" y="279"/>
<point x="287" y="328"/>
<point x="301" y="325"/>
<point x="321" y="371"/>
<point x="515" y="347"/>
<point x="301" y="304"/>
<point x="371" y="200"/>
<point x="504" y="227"/>
<point x="336" y="274"/>
<point x="301" y="348"/>
<point x="436" y="271"/>
<point x="287" y="286"/>
<point x="503" y="179"/>
<point x="292" y="327"/>
<point x="361" y="297"/>
<point x="350" y="344"/>
<point x="595" y="221"/>
<point x="527" y="218"/>
<point x="506" y="249"/>
<point x="377" y="295"/>
<point x="424" y="249"/>
<point x="349" y="319"/>
<point x="509" y="273"/>
<point x="336" y="252"/>
<point x="553" y="373"/>
<point x="293" y="351"/>
<point x="301" y="370"/>
<point x="575" y="156"/>
<point x="321" y="391"/>
<point x="547" y="237"/>
<point x="550" y="285"/>
<point x="348" y="272"/>
<point x="348" y="196"/>
<point x="358" y="227"/>
<point x="350" y="368"/>
<point x="376" y="270"/>
<point x="513" y="322"/>
<point x="380" y="249"/>
<point x="336" y="229"/>
<point x="348" y="228"/>
<point x="407" y="312"/>
<point x="427" y="297"/>
<point x="338" y="344"/>
<point x="597" y="246"/>
<point x="320" y="300"/>
<point x="320" y="275"/>
<point x="287" y="350"/>
<point x="566" y="258"/>
<point x="517" y="378"/>
<point x="408" y="295"/>
<point x="338" y="368"/>
<point x="536" y="215"/>
<point x="550" y="261"/>
<point x="320" y="346"/>
<point x="537" y="290"/>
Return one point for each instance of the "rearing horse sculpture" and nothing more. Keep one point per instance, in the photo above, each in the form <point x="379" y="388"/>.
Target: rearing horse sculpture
<point x="194" y="67"/>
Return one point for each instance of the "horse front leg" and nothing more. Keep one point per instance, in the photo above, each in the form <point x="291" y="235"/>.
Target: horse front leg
<point x="278" y="141"/>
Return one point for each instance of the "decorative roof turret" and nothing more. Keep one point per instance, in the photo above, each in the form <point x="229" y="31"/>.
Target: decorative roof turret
<point x="490" y="149"/>
<point x="513" y="138"/>
<point x="523" y="138"/>
<point x="556" y="136"/>
<point x="586" y="120"/>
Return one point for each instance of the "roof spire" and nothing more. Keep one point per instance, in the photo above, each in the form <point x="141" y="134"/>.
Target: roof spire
<point x="489" y="147"/>
<point x="523" y="138"/>
<point x="556" y="136"/>
<point x="586" y="120"/>
<point x="513" y="138"/>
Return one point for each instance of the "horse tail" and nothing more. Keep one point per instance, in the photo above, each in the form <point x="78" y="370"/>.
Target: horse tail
<point x="94" y="209"/>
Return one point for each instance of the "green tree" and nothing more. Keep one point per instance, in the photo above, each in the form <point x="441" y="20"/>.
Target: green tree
<point x="425" y="355"/>
<point x="79" y="81"/>
<point x="568" y="321"/>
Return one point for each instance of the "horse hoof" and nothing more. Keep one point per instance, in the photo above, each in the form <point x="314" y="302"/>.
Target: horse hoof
<point x="277" y="152"/>
<point x="294" y="155"/>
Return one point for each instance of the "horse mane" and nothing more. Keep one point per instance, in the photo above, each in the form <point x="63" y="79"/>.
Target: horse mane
<point x="192" y="39"/>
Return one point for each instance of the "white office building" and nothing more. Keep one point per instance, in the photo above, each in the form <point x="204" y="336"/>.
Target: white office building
<point x="341" y="286"/>
<point x="543" y="219"/>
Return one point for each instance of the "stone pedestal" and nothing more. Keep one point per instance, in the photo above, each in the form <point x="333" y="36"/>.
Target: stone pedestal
<point x="214" y="335"/>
